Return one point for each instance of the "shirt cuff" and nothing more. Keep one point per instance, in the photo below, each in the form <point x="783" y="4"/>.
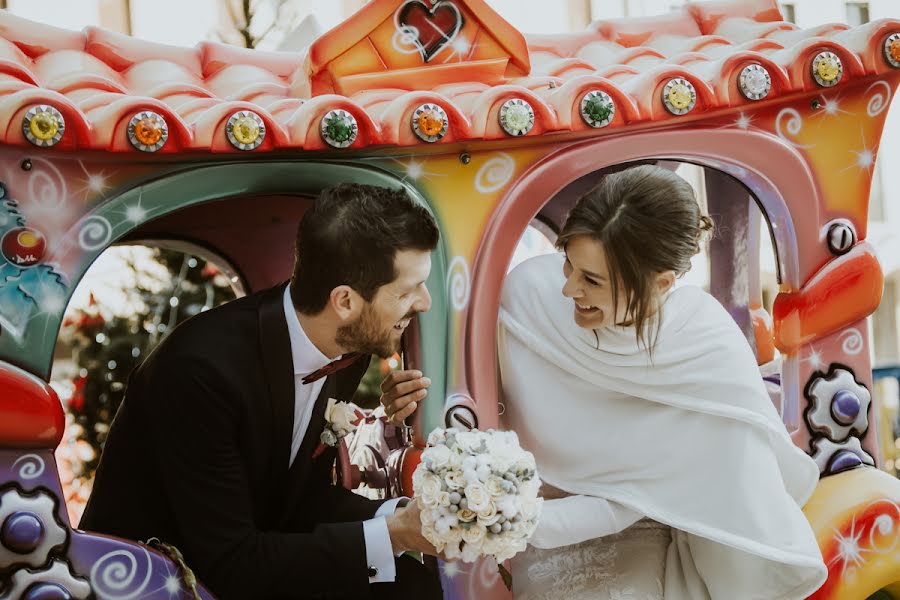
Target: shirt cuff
<point x="390" y="506"/>
<point x="379" y="551"/>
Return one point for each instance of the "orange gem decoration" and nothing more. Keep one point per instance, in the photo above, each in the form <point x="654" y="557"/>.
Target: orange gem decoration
<point x="429" y="122"/>
<point x="147" y="131"/>
<point x="892" y="50"/>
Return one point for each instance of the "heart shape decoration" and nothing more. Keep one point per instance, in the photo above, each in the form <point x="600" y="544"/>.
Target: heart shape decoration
<point x="433" y="28"/>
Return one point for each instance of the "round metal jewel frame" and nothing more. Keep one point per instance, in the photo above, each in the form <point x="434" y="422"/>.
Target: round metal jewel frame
<point x="505" y="109"/>
<point x="38" y="110"/>
<point x="887" y="50"/>
<point x="606" y="98"/>
<point x="149" y="114"/>
<point x="229" y="130"/>
<point x="825" y="56"/>
<point x="671" y="107"/>
<point x="421" y="134"/>
<point x="745" y="86"/>
<point x="339" y="114"/>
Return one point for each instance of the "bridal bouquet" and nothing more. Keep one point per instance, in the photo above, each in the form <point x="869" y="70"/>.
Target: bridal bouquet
<point x="479" y="494"/>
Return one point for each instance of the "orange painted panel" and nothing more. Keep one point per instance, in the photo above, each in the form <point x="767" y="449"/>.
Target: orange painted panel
<point x="846" y="290"/>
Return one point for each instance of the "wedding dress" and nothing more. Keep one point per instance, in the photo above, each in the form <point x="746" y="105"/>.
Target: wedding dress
<point x="685" y="483"/>
<point x="629" y="565"/>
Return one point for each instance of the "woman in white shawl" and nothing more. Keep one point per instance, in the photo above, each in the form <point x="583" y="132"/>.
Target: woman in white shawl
<point x="668" y="472"/>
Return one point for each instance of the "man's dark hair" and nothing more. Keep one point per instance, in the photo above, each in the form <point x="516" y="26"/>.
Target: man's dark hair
<point x="350" y="236"/>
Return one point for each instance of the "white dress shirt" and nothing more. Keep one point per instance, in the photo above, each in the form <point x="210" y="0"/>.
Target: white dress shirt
<point x="307" y="359"/>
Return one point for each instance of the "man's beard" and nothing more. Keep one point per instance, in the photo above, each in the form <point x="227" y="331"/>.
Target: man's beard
<point x="365" y="336"/>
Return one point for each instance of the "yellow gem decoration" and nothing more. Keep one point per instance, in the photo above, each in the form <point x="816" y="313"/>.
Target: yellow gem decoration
<point x="680" y="96"/>
<point x="828" y="68"/>
<point x="44" y="126"/>
<point x="245" y="130"/>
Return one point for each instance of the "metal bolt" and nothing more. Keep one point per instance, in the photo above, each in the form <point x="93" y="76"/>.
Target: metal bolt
<point x="840" y="238"/>
<point x="26" y="164"/>
<point x="815" y="104"/>
<point x="465" y="158"/>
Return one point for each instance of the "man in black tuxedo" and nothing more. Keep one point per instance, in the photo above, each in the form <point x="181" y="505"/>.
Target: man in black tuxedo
<point x="212" y="449"/>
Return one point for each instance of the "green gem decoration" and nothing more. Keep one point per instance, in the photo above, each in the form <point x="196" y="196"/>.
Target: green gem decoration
<point x="516" y="117"/>
<point x="597" y="109"/>
<point x="339" y="128"/>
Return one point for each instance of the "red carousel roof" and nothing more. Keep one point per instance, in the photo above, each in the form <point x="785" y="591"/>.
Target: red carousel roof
<point x="395" y="55"/>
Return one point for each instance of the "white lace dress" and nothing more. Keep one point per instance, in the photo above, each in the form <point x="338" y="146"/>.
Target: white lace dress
<point x="629" y="565"/>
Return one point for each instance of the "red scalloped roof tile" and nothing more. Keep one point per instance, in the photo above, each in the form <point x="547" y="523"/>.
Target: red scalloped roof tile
<point x="99" y="79"/>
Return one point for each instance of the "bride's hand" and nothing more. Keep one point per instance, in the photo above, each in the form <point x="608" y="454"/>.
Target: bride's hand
<point x="548" y="492"/>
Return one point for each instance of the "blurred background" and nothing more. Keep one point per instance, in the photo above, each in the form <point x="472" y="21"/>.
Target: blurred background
<point x="133" y="295"/>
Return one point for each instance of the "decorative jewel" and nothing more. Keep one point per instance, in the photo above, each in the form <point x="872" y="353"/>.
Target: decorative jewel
<point x="43" y="125"/>
<point x="516" y="117"/>
<point x="147" y="131"/>
<point x="679" y="96"/>
<point x="597" y="109"/>
<point x="892" y="50"/>
<point x="245" y="130"/>
<point x="430" y="122"/>
<point x="827" y="69"/>
<point x="755" y="82"/>
<point x="23" y="247"/>
<point x="339" y="128"/>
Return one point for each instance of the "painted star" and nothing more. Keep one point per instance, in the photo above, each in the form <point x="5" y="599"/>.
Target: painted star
<point x="815" y="359"/>
<point x="743" y="121"/>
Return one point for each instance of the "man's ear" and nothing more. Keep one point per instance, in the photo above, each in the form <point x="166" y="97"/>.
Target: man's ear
<point x="665" y="281"/>
<point x="345" y="302"/>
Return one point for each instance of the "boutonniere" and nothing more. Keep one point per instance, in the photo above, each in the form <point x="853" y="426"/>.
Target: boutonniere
<point x="341" y="419"/>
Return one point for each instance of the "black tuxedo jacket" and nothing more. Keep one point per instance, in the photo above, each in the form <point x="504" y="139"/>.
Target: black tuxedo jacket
<point x="198" y="455"/>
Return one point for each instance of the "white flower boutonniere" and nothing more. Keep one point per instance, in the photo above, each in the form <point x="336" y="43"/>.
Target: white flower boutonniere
<point x="341" y="419"/>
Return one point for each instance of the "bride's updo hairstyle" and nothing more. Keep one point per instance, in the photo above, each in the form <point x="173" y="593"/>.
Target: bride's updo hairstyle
<point x="648" y="222"/>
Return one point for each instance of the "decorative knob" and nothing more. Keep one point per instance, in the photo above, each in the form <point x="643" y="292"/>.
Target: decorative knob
<point x="22" y="532"/>
<point x="840" y="238"/>
<point x="832" y="457"/>
<point x="844" y="460"/>
<point x="845" y="407"/>
<point x="30" y="528"/>
<point x="838" y="405"/>
<point x="47" y="591"/>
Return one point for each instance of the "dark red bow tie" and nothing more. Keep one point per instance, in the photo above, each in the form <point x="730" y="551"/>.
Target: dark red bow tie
<point x="333" y="367"/>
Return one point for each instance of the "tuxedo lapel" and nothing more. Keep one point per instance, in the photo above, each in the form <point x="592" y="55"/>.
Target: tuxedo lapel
<point x="303" y="462"/>
<point x="275" y="349"/>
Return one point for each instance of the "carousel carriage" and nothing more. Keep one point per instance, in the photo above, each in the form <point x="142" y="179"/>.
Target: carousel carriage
<point x="108" y="139"/>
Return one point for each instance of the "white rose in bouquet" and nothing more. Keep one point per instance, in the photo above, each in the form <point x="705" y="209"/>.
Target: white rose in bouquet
<point x="480" y="493"/>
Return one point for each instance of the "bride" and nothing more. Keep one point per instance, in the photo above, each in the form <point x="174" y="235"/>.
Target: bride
<point x="668" y="472"/>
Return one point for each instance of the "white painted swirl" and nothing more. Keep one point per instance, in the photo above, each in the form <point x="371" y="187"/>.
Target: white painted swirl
<point x="884" y="537"/>
<point x="32" y="466"/>
<point x="495" y="173"/>
<point x="878" y="101"/>
<point x="114" y="574"/>
<point x="458" y="283"/>
<point x="485" y="576"/>
<point x="94" y="233"/>
<point x="46" y="185"/>
<point x="405" y="40"/>
<point x="852" y="342"/>
<point x="793" y="124"/>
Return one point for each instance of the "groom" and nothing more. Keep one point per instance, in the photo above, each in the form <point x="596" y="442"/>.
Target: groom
<point x="212" y="448"/>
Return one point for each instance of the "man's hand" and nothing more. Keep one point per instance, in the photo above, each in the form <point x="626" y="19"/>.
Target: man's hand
<point x="405" y="529"/>
<point x="401" y="392"/>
